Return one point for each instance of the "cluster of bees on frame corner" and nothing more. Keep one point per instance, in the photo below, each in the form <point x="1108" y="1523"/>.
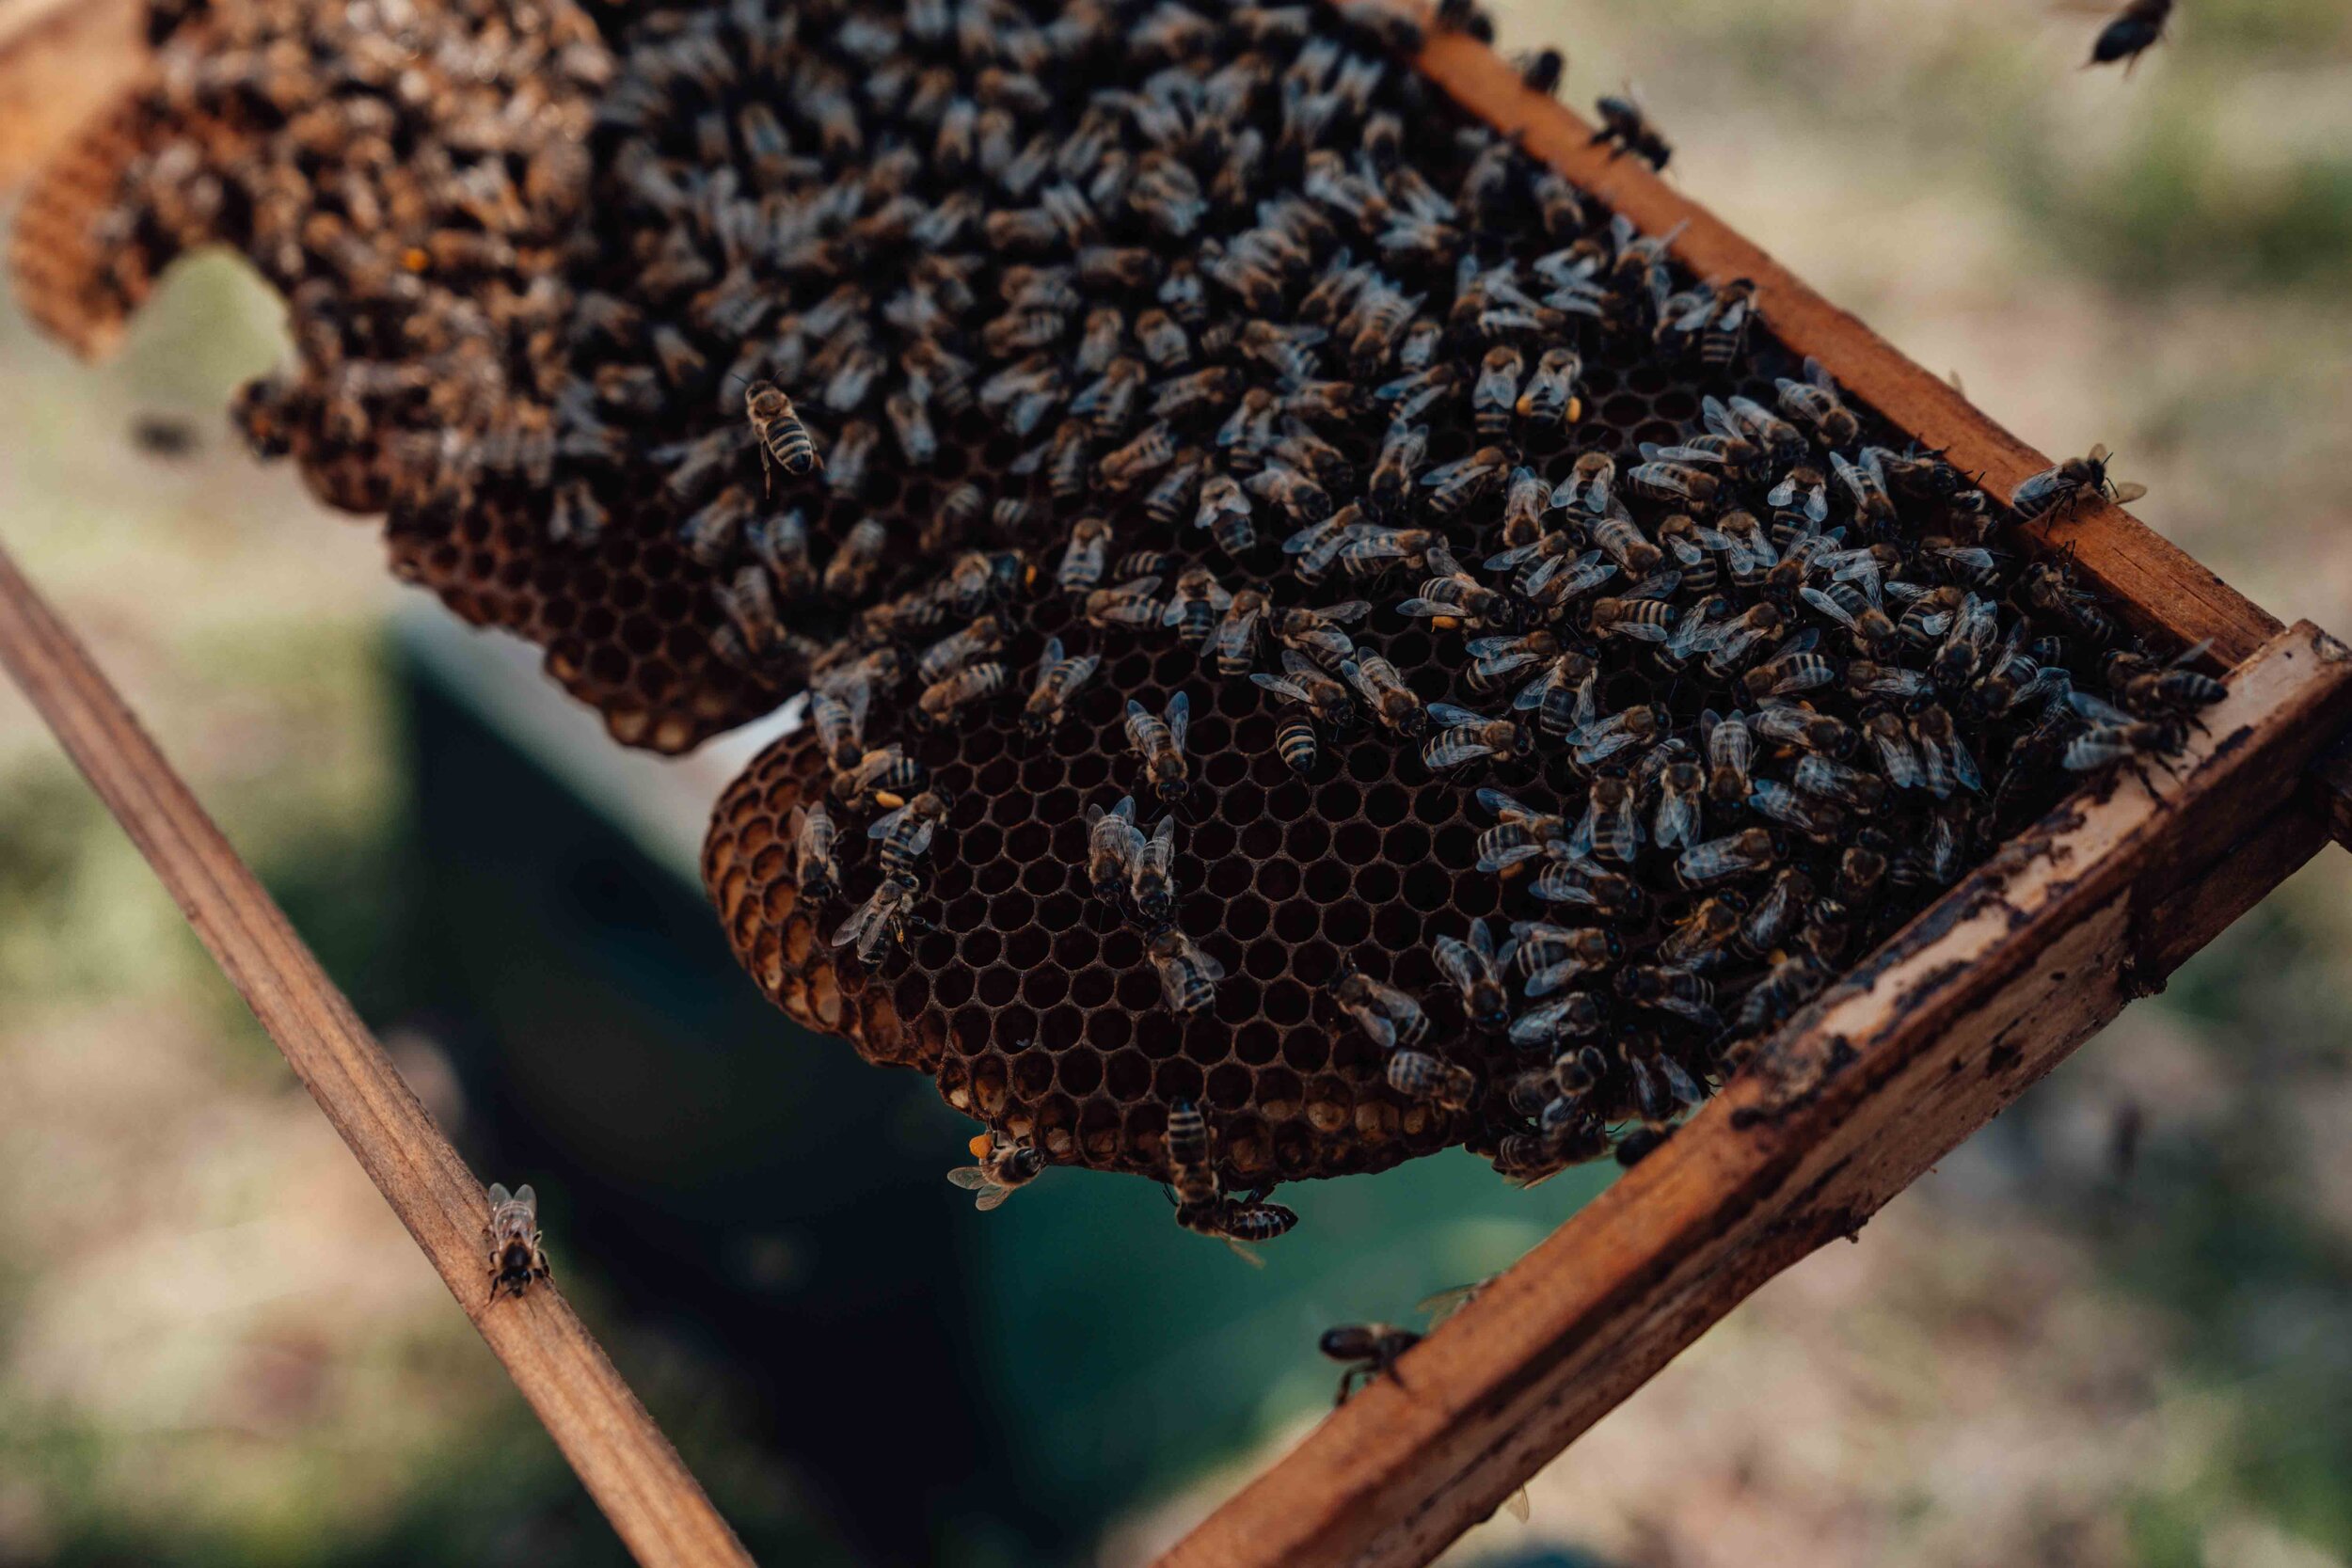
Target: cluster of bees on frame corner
<point x="1367" y="376"/>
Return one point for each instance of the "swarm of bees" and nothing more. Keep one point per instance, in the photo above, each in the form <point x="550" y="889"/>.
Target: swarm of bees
<point x="1322" y="644"/>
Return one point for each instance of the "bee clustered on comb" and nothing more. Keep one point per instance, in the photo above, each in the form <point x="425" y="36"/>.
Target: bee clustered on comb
<point x="1125" y="334"/>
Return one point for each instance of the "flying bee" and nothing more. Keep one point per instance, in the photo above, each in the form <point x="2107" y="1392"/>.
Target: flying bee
<point x="1152" y="875"/>
<point x="1418" y="1076"/>
<point x="1815" y="403"/>
<point x="1058" y="680"/>
<point x="1159" y="744"/>
<point x="1679" y="991"/>
<point x="1081" y="565"/>
<point x="816" y="868"/>
<point x="1789" y="985"/>
<point x="1401" y="452"/>
<point x="1454" y="485"/>
<point x="1702" y="934"/>
<point x="1114" y="845"/>
<point x="1575" y="1016"/>
<point x="1388" y="1017"/>
<point x="1004" y="1167"/>
<point x="1611" y="826"/>
<point x="2045" y="496"/>
<point x="1625" y="128"/>
<point x="1496" y="392"/>
<point x="1370" y="1349"/>
<point x="905" y="835"/>
<point x="1130" y="605"/>
<point x="518" y="1261"/>
<point x="1392" y="702"/>
<point x="944" y="699"/>
<point x="1944" y="758"/>
<point x="1465" y="737"/>
<point x="1739" y="854"/>
<point x="882" y="919"/>
<point x="1188" y="975"/>
<point x="2131" y="33"/>
<point x="952" y="652"/>
<point x="778" y="430"/>
<point x="878" y="777"/>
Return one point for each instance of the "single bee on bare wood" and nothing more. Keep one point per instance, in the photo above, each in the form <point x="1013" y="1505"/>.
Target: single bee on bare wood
<point x="517" y="1260"/>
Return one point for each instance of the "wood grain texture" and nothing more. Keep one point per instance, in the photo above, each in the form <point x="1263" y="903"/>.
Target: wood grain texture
<point x="2160" y="587"/>
<point x="1949" y="1022"/>
<point x="628" y="1466"/>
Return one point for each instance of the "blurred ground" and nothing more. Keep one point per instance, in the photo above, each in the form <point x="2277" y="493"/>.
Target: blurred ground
<point x="216" y="1345"/>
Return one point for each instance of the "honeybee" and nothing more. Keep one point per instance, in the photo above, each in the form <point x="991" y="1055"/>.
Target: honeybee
<point x="1832" y="780"/>
<point x="1081" y="558"/>
<point x="1680" y="784"/>
<point x="1172" y="493"/>
<point x="518" y="1261"/>
<point x="1520" y="833"/>
<point x="1128" y="466"/>
<point x="1795" y="724"/>
<point x="1593" y="744"/>
<point x="1392" y="702"/>
<point x="1418" y="1076"/>
<point x="1549" y="394"/>
<point x="1188" y="976"/>
<point x="1611" y="826"/>
<point x="1298" y="496"/>
<point x="857" y="560"/>
<point x="903" y="835"/>
<point x="1475" y="968"/>
<point x="1739" y="854"/>
<point x="1866" y="488"/>
<point x="1401" y="452"/>
<point x="2046" y="590"/>
<point x="1151" y="874"/>
<point x="1465" y="737"/>
<point x="1454" y="485"/>
<point x="1552" y="957"/>
<point x="1114" y="844"/>
<point x="1944" y="758"/>
<point x="816" y="869"/>
<point x="1159" y="744"/>
<point x="1195" y="608"/>
<point x="1058" y="680"/>
<point x="882" y="919"/>
<point x="946" y="698"/>
<point x="1575" y="1016"/>
<point x="879" y="775"/>
<point x="1370" y="1348"/>
<point x="1701" y="935"/>
<point x="1679" y="991"/>
<point x="1388" y="1017"/>
<point x="1748" y="552"/>
<point x="953" y="652"/>
<point x="1235" y="643"/>
<point x="2132" y="32"/>
<point x="1776" y="801"/>
<point x="2045" y="496"/>
<point x="1004" y="1167"/>
<point x="2151" y="690"/>
<point x="1635" y="619"/>
<point x="1789" y="985"/>
<point x="1774" y="916"/>
<point x="1794" y="667"/>
<point x="1625" y="128"/>
<point x="1495" y="394"/>
<point x="1677" y="476"/>
<point x="1129" y="605"/>
<point x="782" y="438"/>
<point x="2115" y="737"/>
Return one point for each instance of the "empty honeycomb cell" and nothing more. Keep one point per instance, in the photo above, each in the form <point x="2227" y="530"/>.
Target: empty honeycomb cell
<point x="1395" y="925"/>
<point x="1043" y="877"/>
<point x="1224" y="770"/>
<point x="1255" y="1043"/>
<point x="1339" y="802"/>
<point x="1228" y="875"/>
<point x="1327" y="881"/>
<point x="1376" y="882"/>
<point x="1213" y="842"/>
<point x="1247" y="919"/>
<point x="981" y="947"/>
<point x="1229" y="1088"/>
<point x="1295" y="920"/>
<point x="1078" y="1070"/>
<point x="1386" y="804"/>
<point x="1344" y="925"/>
<point x="1306" y="838"/>
<point x="1175" y="1081"/>
<point x="1305" y="1049"/>
<point x="998" y="986"/>
<point x="1044" y="985"/>
<point x="1266" y="960"/>
<point x="1357" y="842"/>
<point x="1261" y="840"/>
<point x="1277" y="878"/>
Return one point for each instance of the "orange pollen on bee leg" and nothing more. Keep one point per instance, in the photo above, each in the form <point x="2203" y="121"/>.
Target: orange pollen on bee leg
<point x="982" y="1143"/>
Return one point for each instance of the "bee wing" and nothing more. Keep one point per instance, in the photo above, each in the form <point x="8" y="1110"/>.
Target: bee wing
<point x="1827" y="605"/>
<point x="1280" y="687"/>
<point x="1164" y="834"/>
<point x="1052" y="657"/>
<point x="796" y="823"/>
<point x="499" y="1194"/>
<point x="1179" y="717"/>
<point x="1501" y="805"/>
<point x="1244" y="1251"/>
<point x="1381" y="1032"/>
<point x="1783" y="493"/>
<point x="1207" y="963"/>
<point x="2100" y="453"/>
<point x="1451" y="716"/>
<point x="1850" y="477"/>
<point x="2098" y="710"/>
<point x="2124" y="494"/>
<point x="1456" y="962"/>
<point x="881" y="825"/>
<point x="992" y="1197"/>
<point x="970" y="1178"/>
<point x="1965" y="766"/>
<point x="1483" y="941"/>
<point x="1346" y="614"/>
<point x="1818" y="373"/>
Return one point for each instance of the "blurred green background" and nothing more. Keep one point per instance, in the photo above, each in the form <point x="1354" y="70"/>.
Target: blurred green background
<point x="2114" y="1328"/>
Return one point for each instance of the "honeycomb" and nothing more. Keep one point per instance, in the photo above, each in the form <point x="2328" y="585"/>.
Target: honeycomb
<point x="500" y="339"/>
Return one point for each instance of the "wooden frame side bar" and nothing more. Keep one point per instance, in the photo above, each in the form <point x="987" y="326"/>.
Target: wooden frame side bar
<point x="2158" y="586"/>
<point x="1947" y="1024"/>
<point x="621" y="1456"/>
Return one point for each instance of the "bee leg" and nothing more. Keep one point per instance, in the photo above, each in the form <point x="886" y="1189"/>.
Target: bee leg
<point x="1348" y="1386"/>
<point x="1388" y="1363"/>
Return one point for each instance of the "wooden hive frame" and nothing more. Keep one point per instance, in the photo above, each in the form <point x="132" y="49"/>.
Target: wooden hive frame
<point x="1923" y="1042"/>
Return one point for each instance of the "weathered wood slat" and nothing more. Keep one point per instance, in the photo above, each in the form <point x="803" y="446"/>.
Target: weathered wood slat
<point x="2159" y="586"/>
<point x="1947" y="1025"/>
<point x="620" y="1455"/>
